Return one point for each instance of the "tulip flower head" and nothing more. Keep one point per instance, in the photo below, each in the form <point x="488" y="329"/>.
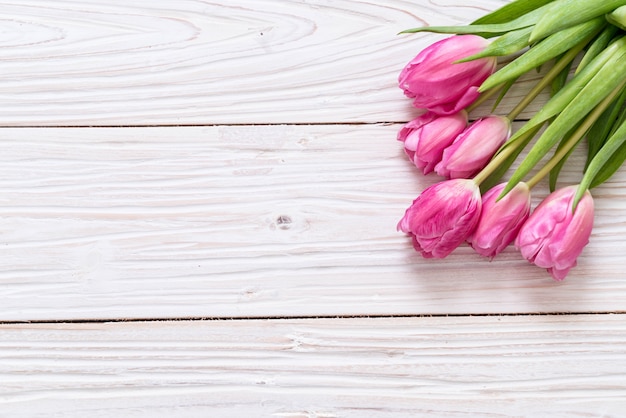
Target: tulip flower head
<point x="500" y="220"/>
<point x="427" y="136"/>
<point x="474" y="147"/>
<point x="435" y="82"/>
<point x="442" y="217"/>
<point x="554" y="235"/>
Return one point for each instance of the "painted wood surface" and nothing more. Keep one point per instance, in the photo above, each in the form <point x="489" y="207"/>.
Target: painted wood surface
<point x="155" y="62"/>
<point x="254" y="221"/>
<point x="557" y="366"/>
<point x="237" y="160"/>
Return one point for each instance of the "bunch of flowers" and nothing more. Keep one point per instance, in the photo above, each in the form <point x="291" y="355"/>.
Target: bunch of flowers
<point x="583" y="43"/>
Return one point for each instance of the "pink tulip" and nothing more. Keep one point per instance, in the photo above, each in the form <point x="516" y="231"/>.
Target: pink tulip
<point x="553" y="237"/>
<point x="435" y="83"/>
<point x="426" y="137"/>
<point x="500" y="220"/>
<point x="442" y="217"/>
<point x="474" y="147"/>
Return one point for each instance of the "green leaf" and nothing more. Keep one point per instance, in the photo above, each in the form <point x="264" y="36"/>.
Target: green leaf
<point x="562" y="14"/>
<point x="560" y="80"/>
<point x="488" y="30"/>
<point x="511" y="11"/>
<point x="611" y="167"/>
<point x="621" y="118"/>
<point x="602" y="85"/>
<point x="606" y="162"/>
<point x="601" y="130"/>
<point x="567" y="94"/>
<point x="597" y="46"/>
<point x="482" y="30"/>
<point x="547" y="49"/>
<point x="506" y="44"/>
<point x="505" y="89"/>
<point x="556" y="170"/>
<point x="618" y="17"/>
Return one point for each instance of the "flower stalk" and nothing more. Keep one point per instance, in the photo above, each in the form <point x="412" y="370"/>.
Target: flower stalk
<point x="575" y="138"/>
<point x="545" y="81"/>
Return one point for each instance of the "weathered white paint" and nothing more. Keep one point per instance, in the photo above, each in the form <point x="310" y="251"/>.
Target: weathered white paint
<point x="559" y="366"/>
<point x="118" y="62"/>
<point x="232" y="219"/>
<point x="254" y="221"/>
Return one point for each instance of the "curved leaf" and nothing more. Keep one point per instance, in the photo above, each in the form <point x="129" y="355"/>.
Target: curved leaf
<point x="597" y="46"/>
<point x="556" y="170"/>
<point x="506" y="44"/>
<point x="567" y="94"/>
<point x="618" y="17"/>
<point x="605" y="83"/>
<point x="601" y="130"/>
<point x="511" y="11"/>
<point x="544" y="51"/>
<point x="487" y="30"/>
<point x="561" y="78"/>
<point x="606" y="162"/>
<point x="562" y="14"/>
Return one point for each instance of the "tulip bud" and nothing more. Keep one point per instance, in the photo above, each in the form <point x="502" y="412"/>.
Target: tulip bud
<point x="554" y="235"/>
<point x="435" y="82"/>
<point x="474" y="147"/>
<point x="426" y="137"/>
<point x="500" y="220"/>
<point x="442" y="217"/>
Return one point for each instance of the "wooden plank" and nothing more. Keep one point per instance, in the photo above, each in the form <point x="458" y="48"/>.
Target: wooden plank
<point x="254" y="221"/>
<point x="559" y="366"/>
<point x="114" y="62"/>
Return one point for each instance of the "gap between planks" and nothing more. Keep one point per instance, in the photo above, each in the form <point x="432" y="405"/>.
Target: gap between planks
<point x="212" y="125"/>
<point x="304" y="317"/>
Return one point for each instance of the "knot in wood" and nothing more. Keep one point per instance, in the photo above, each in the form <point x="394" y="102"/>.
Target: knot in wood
<point x="283" y="222"/>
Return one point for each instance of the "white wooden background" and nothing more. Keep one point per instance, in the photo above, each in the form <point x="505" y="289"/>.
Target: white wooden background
<point x="198" y="204"/>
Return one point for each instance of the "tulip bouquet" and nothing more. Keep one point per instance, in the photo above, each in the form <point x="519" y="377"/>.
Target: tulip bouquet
<point x="581" y="46"/>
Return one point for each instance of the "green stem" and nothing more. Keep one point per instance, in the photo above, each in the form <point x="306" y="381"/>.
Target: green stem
<point x="483" y="98"/>
<point x="505" y="152"/>
<point x="547" y="79"/>
<point x="576" y="136"/>
<point x="493" y="164"/>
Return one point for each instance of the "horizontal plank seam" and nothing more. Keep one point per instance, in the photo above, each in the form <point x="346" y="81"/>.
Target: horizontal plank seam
<point x="200" y="125"/>
<point x="304" y="317"/>
<point x="210" y="125"/>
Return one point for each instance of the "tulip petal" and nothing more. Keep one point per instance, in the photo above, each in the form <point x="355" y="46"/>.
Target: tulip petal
<point x="442" y="217"/>
<point x="500" y="220"/>
<point x="555" y="235"/>
<point x="435" y="82"/>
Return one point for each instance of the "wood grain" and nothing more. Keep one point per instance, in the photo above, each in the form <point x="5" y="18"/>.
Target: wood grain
<point x="254" y="221"/>
<point x="280" y="201"/>
<point x="559" y="366"/>
<point x="115" y="62"/>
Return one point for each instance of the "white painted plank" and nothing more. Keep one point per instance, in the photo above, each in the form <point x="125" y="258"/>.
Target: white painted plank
<point x="253" y="221"/>
<point x="559" y="366"/>
<point x="115" y="62"/>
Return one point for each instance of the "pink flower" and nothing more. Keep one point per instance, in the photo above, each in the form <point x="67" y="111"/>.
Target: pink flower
<point x="500" y="220"/>
<point x="442" y="217"/>
<point x="426" y="137"/>
<point x="474" y="147"/>
<point x="437" y="84"/>
<point x="553" y="237"/>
